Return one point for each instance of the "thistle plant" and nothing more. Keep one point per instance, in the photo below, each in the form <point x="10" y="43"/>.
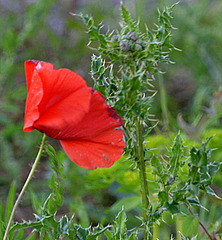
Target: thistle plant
<point x="123" y="69"/>
<point x="135" y="57"/>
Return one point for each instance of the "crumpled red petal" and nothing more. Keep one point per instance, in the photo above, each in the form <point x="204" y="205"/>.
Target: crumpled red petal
<point x="57" y="99"/>
<point x="97" y="141"/>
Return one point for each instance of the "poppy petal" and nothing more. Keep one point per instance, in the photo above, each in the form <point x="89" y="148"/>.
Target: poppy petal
<point x="59" y="120"/>
<point x="35" y="94"/>
<point x="29" y="69"/>
<point x="64" y="100"/>
<point x="97" y="140"/>
<point x="91" y="155"/>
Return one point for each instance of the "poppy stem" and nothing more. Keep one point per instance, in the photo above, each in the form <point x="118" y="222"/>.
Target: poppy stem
<point x="28" y="180"/>
<point x="143" y="178"/>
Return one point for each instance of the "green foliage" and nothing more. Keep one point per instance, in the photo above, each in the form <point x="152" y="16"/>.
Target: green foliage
<point x="47" y="224"/>
<point x="201" y="170"/>
<point x="189" y="225"/>
<point x="50" y="228"/>
<point x="55" y="181"/>
<point x="174" y="190"/>
<point x="184" y="238"/>
<point x="10" y="201"/>
<point x="174" y="185"/>
<point x="119" y="230"/>
<point x="6" y="212"/>
<point x="129" y="203"/>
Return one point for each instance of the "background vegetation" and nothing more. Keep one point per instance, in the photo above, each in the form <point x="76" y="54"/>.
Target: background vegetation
<point x="189" y="99"/>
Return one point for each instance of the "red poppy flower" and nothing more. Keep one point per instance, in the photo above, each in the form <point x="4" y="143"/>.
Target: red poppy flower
<point x="61" y="105"/>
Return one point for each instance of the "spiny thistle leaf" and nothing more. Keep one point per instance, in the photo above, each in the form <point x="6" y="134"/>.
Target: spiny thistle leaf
<point x="176" y="155"/>
<point x="120" y="225"/>
<point x="56" y="198"/>
<point x="126" y="16"/>
<point x="97" y="231"/>
<point x="93" y="31"/>
<point x="10" y="200"/>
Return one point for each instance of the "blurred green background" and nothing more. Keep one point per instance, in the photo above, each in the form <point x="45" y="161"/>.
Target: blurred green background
<point x="189" y="99"/>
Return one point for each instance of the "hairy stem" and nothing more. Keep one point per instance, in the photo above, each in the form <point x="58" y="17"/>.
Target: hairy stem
<point x="28" y="180"/>
<point x="142" y="174"/>
<point x="201" y="224"/>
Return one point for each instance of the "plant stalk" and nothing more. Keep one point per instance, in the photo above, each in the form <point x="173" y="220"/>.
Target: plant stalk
<point x="28" y="180"/>
<point x="143" y="177"/>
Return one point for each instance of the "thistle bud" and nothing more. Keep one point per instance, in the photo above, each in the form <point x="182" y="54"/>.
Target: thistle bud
<point x="125" y="37"/>
<point x="170" y="179"/>
<point x="115" y="38"/>
<point x="139" y="41"/>
<point x="144" y="44"/>
<point x="132" y="36"/>
<point x="137" y="47"/>
<point x="124" y="45"/>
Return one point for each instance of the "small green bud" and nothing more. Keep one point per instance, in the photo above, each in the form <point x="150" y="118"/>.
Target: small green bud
<point x="170" y="179"/>
<point x="132" y="36"/>
<point x="125" y="37"/>
<point x="115" y="38"/>
<point x="139" y="41"/>
<point x="136" y="47"/>
<point x="144" y="44"/>
<point x="125" y="45"/>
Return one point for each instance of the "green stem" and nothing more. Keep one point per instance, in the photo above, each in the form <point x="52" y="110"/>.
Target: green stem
<point x="142" y="174"/>
<point x="25" y="187"/>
